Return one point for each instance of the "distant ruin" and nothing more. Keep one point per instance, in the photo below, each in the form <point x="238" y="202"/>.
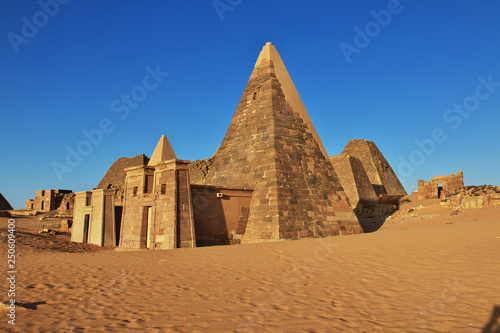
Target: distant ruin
<point x="473" y="197"/>
<point x="115" y="176"/>
<point x="440" y="186"/>
<point x="271" y="179"/>
<point x="97" y="216"/>
<point x="51" y="200"/>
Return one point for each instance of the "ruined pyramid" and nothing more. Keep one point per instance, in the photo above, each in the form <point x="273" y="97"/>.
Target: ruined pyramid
<point x="271" y="146"/>
<point x="115" y="176"/>
<point x="355" y="182"/>
<point x="380" y="173"/>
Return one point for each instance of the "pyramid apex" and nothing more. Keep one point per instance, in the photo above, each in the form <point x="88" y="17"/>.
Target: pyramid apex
<point x="271" y="141"/>
<point x="270" y="54"/>
<point x="163" y="152"/>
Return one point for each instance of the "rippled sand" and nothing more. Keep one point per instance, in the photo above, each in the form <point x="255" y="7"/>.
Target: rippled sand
<point x="415" y="274"/>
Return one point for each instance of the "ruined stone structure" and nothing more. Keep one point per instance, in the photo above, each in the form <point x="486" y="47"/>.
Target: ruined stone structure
<point x="158" y="211"/>
<point x="94" y="219"/>
<point x="115" y="177"/>
<point x="198" y="170"/>
<point x="473" y="197"/>
<point x="4" y="204"/>
<point x="380" y="173"/>
<point x="271" y="179"/>
<point x="67" y="204"/>
<point x="360" y="189"/>
<point x="97" y="224"/>
<point x="51" y="200"/>
<point x="440" y="186"/>
<point x="164" y="210"/>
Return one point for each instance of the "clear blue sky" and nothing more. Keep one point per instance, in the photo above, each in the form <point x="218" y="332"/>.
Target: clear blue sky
<point x="71" y="72"/>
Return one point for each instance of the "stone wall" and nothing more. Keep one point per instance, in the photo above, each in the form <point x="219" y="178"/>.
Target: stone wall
<point x="440" y="186"/>
<point x="473" y="197"/>
<point x="135" y="208"/>
<point x="157" y="209"/>
<point x="67" y="204"/>
<point x="186" y="236"/>
<point x="50" y="200"/>
<point x="94" y="218"/>
<point x="220" y="214"/>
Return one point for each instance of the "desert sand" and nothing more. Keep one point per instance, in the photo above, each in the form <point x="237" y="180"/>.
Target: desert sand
<point x="428" y="270"/>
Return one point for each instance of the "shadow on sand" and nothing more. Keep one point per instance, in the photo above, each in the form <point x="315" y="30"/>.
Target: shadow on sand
<point x="493" y="325"/>
<point x="372" y="224"/>
<point x="30" y="306"/>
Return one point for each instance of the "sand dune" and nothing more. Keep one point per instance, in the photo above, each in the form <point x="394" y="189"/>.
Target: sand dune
<point x="439" y="274"/>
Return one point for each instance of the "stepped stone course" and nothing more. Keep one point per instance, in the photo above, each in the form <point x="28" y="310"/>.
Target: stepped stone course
<point x="355" y="181"/>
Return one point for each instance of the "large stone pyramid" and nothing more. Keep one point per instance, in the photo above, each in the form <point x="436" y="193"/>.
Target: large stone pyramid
<point x="271" y="146"/>
<point x="380" y="173"/>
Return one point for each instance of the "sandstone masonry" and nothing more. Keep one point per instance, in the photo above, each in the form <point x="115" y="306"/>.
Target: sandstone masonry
<point x="440" y="186"/>
<point x="271" y="179"/>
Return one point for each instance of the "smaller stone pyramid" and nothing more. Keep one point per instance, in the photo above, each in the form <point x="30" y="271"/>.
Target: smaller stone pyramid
<point x="355" y="182"/>
<point x="163" y="152"/>
<point x="4" y="204"/>
<point x="380" y="173"/>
